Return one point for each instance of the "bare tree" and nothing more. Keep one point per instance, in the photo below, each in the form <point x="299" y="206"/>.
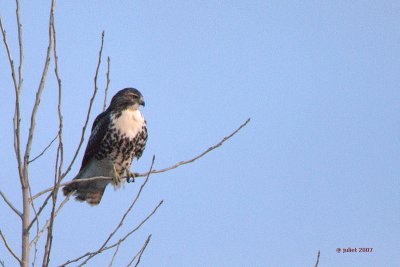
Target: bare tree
<point x="32" y="210"/>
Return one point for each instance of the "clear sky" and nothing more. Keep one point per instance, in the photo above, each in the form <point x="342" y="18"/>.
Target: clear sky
<point x="316" y="169"/>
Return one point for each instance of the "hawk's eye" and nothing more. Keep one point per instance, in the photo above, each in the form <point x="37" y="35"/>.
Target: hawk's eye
<point x="135" y="96"/>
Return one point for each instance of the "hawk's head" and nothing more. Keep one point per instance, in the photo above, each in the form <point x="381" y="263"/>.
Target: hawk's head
<point x="127" y="98"/>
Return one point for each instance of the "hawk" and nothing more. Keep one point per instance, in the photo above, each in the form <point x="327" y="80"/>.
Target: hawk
<point x="118" y="135"/>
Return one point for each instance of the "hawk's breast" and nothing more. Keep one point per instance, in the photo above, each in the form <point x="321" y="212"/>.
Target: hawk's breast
<point x="130" y="122"/>
<point x="125" y="139"/>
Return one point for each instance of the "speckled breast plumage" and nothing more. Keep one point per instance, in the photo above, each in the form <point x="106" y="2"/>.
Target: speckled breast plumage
<point x="121" y="149"/>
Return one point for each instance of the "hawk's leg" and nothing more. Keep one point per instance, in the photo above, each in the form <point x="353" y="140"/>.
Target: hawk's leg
<point x="116" y="177"/>
<point x="129" y="176"/>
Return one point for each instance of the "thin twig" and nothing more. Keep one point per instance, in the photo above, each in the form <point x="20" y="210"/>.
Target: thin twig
<point x="22" y="169"/>
<point x="37" y="237"/>
<point x="59" y="158"/>
<point x="119" y="241"/>
<point x="89" y="110"/>
<point x="9" y="248"/>
<point x="40" y="211"/>
<point x="11" y="62"/>
<point x="17" y="115"/>
<point x="108" y="83"/>
<point x="316" y="264"/>
<point x="21" y="47"/>
<point x="11" y="205"/>
<point x="44" y="150"/>
<point x="124" y="216"/>
<point x="136" y="228"/>
<point x="49" y="239"/>
<point x="131" y="206"/>
<point x="2" y="263"/>
<point x="140" y="252"/>
<point x="114" y="255"/>
<point x="16" y="119"/>
<point x="40" y="89"/>
<point x="197" y="157"/>
<point x="153" y="171"/>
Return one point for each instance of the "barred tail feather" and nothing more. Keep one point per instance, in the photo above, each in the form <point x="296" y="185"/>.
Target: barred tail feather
<point x="90" y="191"/>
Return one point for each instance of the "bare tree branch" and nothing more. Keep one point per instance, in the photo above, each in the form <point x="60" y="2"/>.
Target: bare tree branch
<point x="2" y="263"/>
<point x="35" y="251"/>
<point x="131" y="206"/>
<point x="91" y="254"/>
<point x="21" y="47"/>
<point x="37" y="225"/>
<point x="17" y="116"/>
<point x="37" y="237"/>
<point x="124" y="216"/>
<point x="11" y="205"/>
<point x="114" y="255"/>
<point x="16" y="133"/>
<point x="108" y="83"/>
<point x="44" y="150"/>
<point x="16" y="119"/>
<point x="89" y="109"/>
<point x="25" y="177"/>
<point x="3" y="31"/>
<point x="153" y="171"/>
<point x="197" y="157"/>
<point x="118" y="242"/>
<point x="40" y="90"/>
<point x="140" y="253"/>
<point x="316" y="264"/>
<point x="59" y="157"/>
<point x="136" y="228"/>
<point x="39" y="212"/>
<point x="49" y="239"/>
<point x="9" y="248"/>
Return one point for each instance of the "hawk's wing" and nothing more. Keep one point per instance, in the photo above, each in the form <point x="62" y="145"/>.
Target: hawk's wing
<point x="99" y="129"/>
<point x="140" y="141"/>
<point x="92" y="191"/>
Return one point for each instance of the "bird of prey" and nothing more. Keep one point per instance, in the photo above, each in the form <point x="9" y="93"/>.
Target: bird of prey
<point x="118" y="135"/>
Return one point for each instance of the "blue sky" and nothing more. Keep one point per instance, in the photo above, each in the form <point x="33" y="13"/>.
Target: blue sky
<point x="316" y="169"/>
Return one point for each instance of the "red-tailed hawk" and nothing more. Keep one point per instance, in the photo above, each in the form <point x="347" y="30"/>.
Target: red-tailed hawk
<point x="119" y="134"/>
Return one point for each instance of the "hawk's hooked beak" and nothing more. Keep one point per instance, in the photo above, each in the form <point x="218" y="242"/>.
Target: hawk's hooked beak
<point x="141" y="102"/>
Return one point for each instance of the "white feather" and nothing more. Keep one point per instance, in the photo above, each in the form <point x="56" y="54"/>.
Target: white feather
<point x="130" y="122"/>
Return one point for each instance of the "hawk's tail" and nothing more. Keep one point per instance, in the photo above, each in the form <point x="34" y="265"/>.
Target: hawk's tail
<point x="89" y="191"/>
